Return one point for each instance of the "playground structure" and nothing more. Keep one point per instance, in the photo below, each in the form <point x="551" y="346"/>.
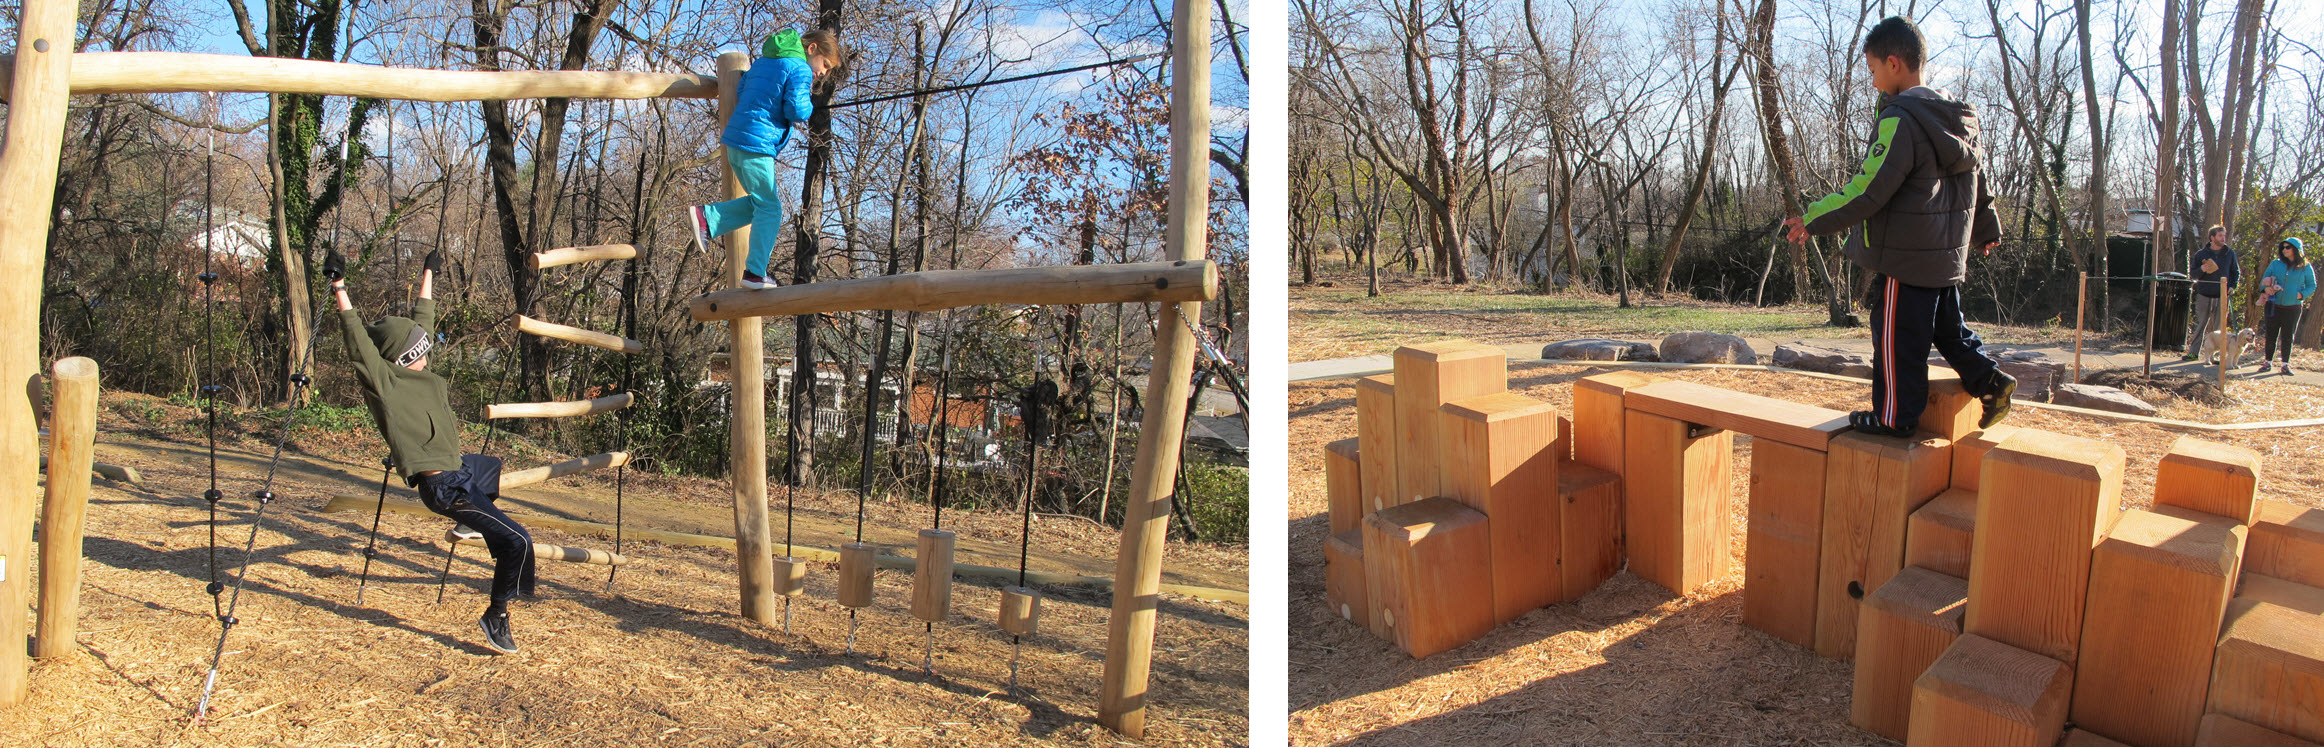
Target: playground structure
<point x="1986" y="583"/>
<point x="46" y="73"/>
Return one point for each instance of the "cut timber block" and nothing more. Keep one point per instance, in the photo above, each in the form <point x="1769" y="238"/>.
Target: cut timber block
<point x="2287" y="541"/>
<point x="1430" y="565"/>
<point x="2158" y="586"/>
<point x="2220" y="729"/>
<point x="1376" y="442"/>
<point x="1872" y="484"/>
<point x="2050" y="499"/>
<point x="2277" y="591"/>
<point x="1675" y="495"/>
<point x="2088" y="739"/>
<point x="932" y="576"/>
<point x="1598" y="417"/>
<point x="1763" y="417"/>
<point x="1343" y="485"/>
<point x="1785" y="537"/>
<point x="856" y="562"/>
<point x="1939" y="535"/>
<point x="1020" y="611"/>
<point x="1343" y="577"/>
<point x="1952" y="413"/>
<point x="2208" y="477"/>
<point x="1903" y="628"/>
<point x="790" y="576"/>
<point x="1589" y="549"/>
<point x="2269" y="669"/>
<point x="1428" y="376"/>
<point x="1969" y="454"/>
<point x="1564" y="446"/>
<point x="1496" y="459"/>
<point x="1984" y="692"/>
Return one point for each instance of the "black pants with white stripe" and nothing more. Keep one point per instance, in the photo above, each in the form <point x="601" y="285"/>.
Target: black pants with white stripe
<point x="1906" y="321"/>
<point x="466" y="496"/>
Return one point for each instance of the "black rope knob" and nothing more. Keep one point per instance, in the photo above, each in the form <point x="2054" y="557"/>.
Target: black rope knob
<point x="214" y="495"/>
<point x="262" y="495"/>
<point x="387" y="462"/>
<point x="212" y="390"/>
<point x="229" y="620"/>
<point x="217" y="587"/>
<point x="300" y="379"/>
<point x="208" y="278"/>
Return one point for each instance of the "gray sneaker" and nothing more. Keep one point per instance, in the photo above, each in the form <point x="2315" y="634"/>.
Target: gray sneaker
<point x="496" y="632"/>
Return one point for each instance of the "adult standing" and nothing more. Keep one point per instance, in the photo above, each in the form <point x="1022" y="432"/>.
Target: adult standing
<point x="2291" y="282"/>
<point x="2212" y="262"/>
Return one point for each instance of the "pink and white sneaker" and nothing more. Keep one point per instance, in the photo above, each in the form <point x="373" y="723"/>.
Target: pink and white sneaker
<point x="699" y="219"/>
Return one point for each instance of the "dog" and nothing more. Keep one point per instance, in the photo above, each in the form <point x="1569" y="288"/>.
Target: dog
<point x="2234" y="344"/>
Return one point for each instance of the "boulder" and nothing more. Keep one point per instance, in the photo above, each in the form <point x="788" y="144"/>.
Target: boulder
<point x="1599" y="349"/>
<point x="2096" y="397"/>
<point x="2034" y="380"/>
<point x="1706" y="348"/>
<point x="1797" y="355"/>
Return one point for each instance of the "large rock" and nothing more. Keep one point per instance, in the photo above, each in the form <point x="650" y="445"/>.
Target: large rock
<point x="1797" y="355"/>
<point x="1706" y="348"/>
<point x="1599" y="349"/>
<point x="2034" y="380"/>
<point x="2096" y="397"/>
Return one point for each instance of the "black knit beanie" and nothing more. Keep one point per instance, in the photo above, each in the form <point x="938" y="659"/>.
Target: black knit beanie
<point x="400" y="340"/>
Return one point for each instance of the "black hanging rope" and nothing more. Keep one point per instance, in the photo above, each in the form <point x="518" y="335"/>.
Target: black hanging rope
<point x="210" y="388"/>
<point x="998" y="81"/>
<point x="1035" y="409"/>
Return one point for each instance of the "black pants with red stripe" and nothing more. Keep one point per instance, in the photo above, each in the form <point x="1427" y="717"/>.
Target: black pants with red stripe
<point x="1906" y="321"/>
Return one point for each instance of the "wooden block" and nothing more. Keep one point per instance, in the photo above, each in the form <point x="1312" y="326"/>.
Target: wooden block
<point x="1428" y="376"/>
<point x="1938" y="536"/>
<point x="2220" y="729"/>
<point x="1590" y="528"/>
<point x="2269" y="669"/>
<point x="2088" y="739"/>
<point x="1952" y="413"/>
<point x="1785" y="534"/>
<point x="790" y="576"/>
<point x="1376" y="441"/>
<point x="1343" y="577"/>
<point x="932" y="576"/>
<point x="1431" y="567"/>
<point x="1020" y="611"/>
<point x="1564" y="446"/>
<point x="1343" y="486"/>
<point x="2208" y="477"/>
<point x="1872" y="484"/>
<point x="1598" y="417"/>
<point x="1984" y="692"/>
<point x="856" y="562"/>
<point x="2278" y="591"/>
<point x="1497" y="459"/>
<point x="1969" y="454"/>
<point x="1903" y="627"/>
<point x="2052" y="498"/>
<point x="1763" y="417"/>
<point x="1674" y="506"/>
<point x="2287" y="541"/>
<point x="2159" y="584"/>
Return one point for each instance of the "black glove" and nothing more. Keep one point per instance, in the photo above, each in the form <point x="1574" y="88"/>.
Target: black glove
<point x="334" y="266"/>
<point x="435" y="261"/>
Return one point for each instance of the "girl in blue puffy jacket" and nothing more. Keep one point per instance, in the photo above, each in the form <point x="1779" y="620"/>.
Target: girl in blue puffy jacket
<point x="772" y="99"/>
<point x="2294" y="281"/>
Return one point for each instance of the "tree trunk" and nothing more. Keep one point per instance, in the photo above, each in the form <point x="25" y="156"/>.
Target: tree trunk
<point x="799" y="432"/>
<point x="1686" y="205"/>
<point x="2098" y="154"/>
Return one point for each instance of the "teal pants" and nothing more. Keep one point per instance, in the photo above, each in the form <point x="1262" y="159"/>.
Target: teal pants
<point x="761" y="210"/>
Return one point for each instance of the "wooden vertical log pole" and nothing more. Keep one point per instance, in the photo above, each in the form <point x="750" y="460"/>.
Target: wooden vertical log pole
<point x="1138" y="567"/>
<point x="72" y="430"/>
<point x="28" y="166"/>
<point x="746" y="371"/>
<point x="2081" y="302"/>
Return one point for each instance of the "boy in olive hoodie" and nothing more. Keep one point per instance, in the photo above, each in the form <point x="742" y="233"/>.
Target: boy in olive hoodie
<point x="1921" y="201"/>
<point x="415" y="417"/>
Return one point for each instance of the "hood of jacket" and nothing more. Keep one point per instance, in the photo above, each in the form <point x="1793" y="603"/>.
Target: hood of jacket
<point x="784" y="43"/>
<point x="1951" y="127"/>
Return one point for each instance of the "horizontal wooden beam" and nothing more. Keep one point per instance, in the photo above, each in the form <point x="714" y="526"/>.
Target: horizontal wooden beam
<point x="559" y="409"/>
<point x="1804" y="426"/>
<point x="553" y="552"/>
<point x="615" y="343"/>
<point x="179" y="72"/>
<point x="1195" y="280"/>
<point x="570" y="255"/>
<point x="545" y="473"/>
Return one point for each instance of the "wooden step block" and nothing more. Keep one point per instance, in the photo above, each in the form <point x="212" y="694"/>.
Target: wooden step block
<point x="1564" y="446"/>
<point x="2279" y="591"/>
<point x="1939" y="535"/>
<point x="1984" y="692"/>
<point x="1590" y="528"/>
<point x="1020" y="611"/>
<point x="2088" y="739"/>
<point x="1430" y="567"/>
<point x="1598" y="417"/>
<point x="1952" y="413"/>
<point x="1785" y="534"/>
<point x="2269" y="669"/>
<point x="2208" y="477"/>
<point x="1343" y="577"/>
<point x="790" y="576"/>
<point x="2159" y="584"/>
<point x="2052" y="498"/>
<point x="1762" y="417"/>
<point x="857" y="561"/>
<point x="1903" y="627"/>
<point x="1497" y="459"/>
<point x="1429" y="375"/>
<point x="1675" y="496"/>
<point x="1376" y="441"/>
<point x="1872" y="484"/>
<point x="2287" y="541"/>
<point x="2220" y="729"/>
<point x="932" y="576"/>
<point x="1969" y="454"/>
<point x="1343" y="484"/>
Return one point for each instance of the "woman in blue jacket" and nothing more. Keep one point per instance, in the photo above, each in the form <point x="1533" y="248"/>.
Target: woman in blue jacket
<point x="2293" y="281"/>
<point x="772" y="99"/>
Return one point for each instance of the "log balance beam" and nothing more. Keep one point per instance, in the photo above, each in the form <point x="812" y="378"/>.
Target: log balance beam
<point x="182" y="72"/>
<point x="1182" y="281"/>
<point x="551" y="552"/>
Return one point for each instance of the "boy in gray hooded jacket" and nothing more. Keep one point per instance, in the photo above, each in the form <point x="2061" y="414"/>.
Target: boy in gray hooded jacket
<point x="1922" y="202"/>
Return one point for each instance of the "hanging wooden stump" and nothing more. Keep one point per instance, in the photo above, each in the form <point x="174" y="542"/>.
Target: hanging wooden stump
<point x="790" y="576"/>
<point x="1020" y="611"/>
<point x="932" y="578"/>
<point x="856" y="562"/>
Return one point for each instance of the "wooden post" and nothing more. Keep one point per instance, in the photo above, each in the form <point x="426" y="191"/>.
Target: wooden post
<point x="2269" y="670"/>
<point x="1969" y="454"/>
<point x="2224" y="310"/>
<point x="1146" y="520"/>
<point x="2081" y="302"/>
<point x="930" y="290"/>
<point x="28" y="167"/>
<point x="1020" y="611"/>
<point x="1345" y="590"/>
<point x="746" y="373"/>
<point x="2209" y="477"/>
<point x="2287" y="542"/>
<point x="2050" y="499"/>
<point x="183" y="72"/>
<point x="1984" y="692"/>
<point x="857" y="561"/>
<point x="1495" y="452"/>
<point x="1784" y="541"/>
<point x="1429" y="375"/>
<point x="1589" y="550"/>
<point x="1952" y="413"/>
<point x="1376" y="441"/>
<point x="2158" y="590"/>
<point x="1676" y="488"/>
<point x="1941" y="533"/>
<point x="1872" y="484"/>
<point x="72" y="438"/>
<point x="1905" y="626"/>
<point x="1598" y="417"/>
<point x="1431" y="566"/>
<point x="1343" y="485"/>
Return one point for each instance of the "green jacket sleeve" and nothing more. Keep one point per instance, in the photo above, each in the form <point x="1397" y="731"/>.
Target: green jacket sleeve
<point x="424" y="313"/>
<point x="1885" y="167"/>
<point x="367" y="362"/>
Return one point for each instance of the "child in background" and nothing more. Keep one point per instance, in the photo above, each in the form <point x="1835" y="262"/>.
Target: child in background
<point x="772" y="99"/>
<point x="2294" y="281"/>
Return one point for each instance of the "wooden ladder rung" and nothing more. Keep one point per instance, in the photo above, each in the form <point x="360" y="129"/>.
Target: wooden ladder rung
<point x="615" y="343"/>
<point x="559" y="409"/>
<point x="544" y="473"/>
<point x="572" y="255"/>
